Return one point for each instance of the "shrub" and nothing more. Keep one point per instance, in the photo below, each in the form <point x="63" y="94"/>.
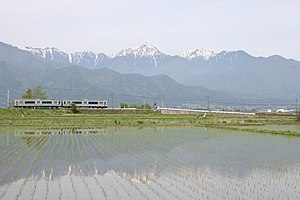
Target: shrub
<point x="123" y="105"/>
<point x="74" y="108"/>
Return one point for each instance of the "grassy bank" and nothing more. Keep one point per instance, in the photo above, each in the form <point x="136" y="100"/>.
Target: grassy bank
<point x="104" y="118"/>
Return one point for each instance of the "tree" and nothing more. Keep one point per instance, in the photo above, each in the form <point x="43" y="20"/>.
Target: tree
<point x="123" y="105"/>
<point x="28" y="94"/>
<point x="39" y="93"/>
<point x="145" y="106"/>
<point x="74" y="108"/>
<point x="35" y="93"/>
<point x="133" y="106"/>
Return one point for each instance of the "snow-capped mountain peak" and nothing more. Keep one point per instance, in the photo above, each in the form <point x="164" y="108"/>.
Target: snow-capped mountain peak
<point x="46" y="53"/>
<point x="145" y="50"/>
<point x="203" y="53"/>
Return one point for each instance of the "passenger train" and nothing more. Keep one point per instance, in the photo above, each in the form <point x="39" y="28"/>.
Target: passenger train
<point x="42" y="103"/>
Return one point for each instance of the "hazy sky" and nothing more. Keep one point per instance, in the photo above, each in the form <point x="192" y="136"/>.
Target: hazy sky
<point x="260" y="27"/>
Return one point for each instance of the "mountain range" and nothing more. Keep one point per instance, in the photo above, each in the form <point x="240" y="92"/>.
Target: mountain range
<point x="21" y="69"/>
<point x="232" y="73"/>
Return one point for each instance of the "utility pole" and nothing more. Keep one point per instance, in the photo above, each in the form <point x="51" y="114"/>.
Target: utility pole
<point x="162" y="102"/>
<point x="296" y="105"/>
<point x="112" y="100"/>
<point x="208" y="102"/>
<point x="7" y="98"/>
<point x="84" y="93"/>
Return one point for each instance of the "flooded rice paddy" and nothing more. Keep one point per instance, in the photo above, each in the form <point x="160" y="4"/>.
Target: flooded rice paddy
<point x="147" y="163"/>
<point x="295" y="128"/>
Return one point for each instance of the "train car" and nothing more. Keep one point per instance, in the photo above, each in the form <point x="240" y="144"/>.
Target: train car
<point x="37" y="103"/>
<point x="85" y="103"/>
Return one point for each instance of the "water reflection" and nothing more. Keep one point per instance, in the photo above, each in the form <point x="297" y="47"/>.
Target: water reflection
<point x="154" y="163"/>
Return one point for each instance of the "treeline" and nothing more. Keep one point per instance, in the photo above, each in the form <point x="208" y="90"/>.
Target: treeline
<point x="142" y="106"/>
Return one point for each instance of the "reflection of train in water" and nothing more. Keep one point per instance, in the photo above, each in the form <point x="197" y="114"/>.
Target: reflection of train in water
<point x="42" y="103"/>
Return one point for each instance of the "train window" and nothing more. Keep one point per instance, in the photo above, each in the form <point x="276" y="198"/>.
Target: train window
<point x="46" y="102"/>
<point x="29" y="102"/>
<point x="93" y="102"/>
<point x="77" y="102"/>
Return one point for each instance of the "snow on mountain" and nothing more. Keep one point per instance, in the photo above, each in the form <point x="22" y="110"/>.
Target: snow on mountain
<point x="85" y="58"/>
<point x="46" y="53"/>
<point x="202" y="53"/>
<point x="143" y="55"/>
<point x="145" y="50"/>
